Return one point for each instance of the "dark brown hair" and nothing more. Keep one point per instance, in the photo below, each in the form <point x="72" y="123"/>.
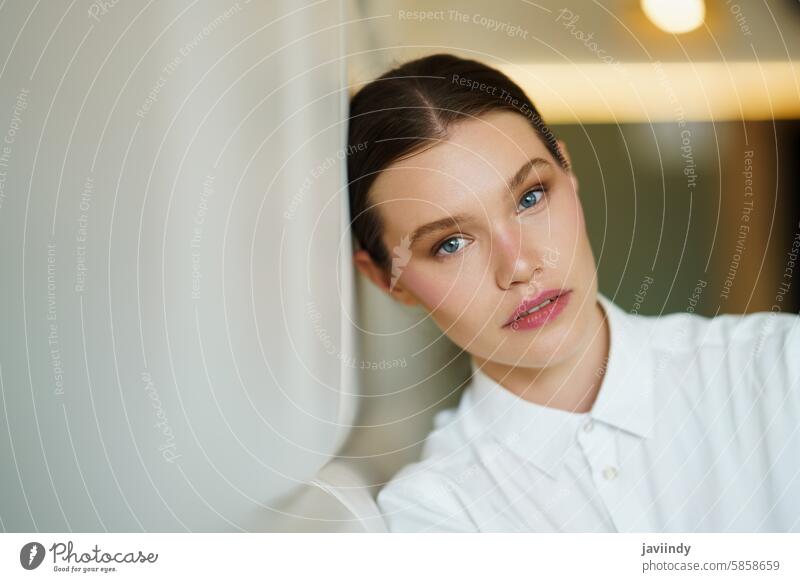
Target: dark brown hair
<point x="410" y="108"/>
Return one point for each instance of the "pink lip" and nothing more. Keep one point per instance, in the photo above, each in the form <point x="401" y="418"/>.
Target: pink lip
<point x="541" y="316"/>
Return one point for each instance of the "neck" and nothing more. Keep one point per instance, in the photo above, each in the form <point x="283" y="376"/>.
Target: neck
<point x="572" y="384"/>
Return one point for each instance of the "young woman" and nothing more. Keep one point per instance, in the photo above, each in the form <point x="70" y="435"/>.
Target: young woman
<point x="579" y="416"/>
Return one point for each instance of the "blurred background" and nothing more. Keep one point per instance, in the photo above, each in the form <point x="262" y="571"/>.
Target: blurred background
<point x="185" y="345"/>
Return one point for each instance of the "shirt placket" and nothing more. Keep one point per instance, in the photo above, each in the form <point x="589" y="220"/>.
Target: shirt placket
<point x="598" y="442"/>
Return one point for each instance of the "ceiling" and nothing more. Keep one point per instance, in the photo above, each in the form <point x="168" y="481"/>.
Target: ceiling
<point x="591" y="62"/>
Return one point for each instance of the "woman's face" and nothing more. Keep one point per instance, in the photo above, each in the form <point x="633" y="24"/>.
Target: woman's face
<point x="508" y="226"/>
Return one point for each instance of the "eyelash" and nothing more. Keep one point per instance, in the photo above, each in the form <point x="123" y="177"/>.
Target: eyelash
<point x="539" y="187"/>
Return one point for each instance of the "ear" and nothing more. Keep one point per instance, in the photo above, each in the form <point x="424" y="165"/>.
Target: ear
<point x="382" y="279"/>
<point x="563" y="146"/>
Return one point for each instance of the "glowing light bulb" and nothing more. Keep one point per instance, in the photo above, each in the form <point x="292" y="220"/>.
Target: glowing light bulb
<point x="675" y="16"/>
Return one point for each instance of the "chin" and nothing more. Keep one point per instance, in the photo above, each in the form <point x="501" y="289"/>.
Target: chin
<point x="548" y="345"/>
<point x="529" y="350"/>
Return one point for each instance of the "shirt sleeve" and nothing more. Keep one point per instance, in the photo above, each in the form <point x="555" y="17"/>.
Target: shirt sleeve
<point x="783" y="356"/>
<point x="774" y="363"/>
<point x="792" y="353"/>
<point x="422" y="503"/>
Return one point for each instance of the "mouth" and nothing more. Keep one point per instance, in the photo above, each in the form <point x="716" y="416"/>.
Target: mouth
<point x="541" y="302"/>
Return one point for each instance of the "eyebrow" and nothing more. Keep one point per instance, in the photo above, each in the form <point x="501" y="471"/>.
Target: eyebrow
<point x="447" y="222"/>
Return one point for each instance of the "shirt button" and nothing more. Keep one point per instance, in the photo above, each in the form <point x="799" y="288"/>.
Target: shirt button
<point x="588" y="426"/>
<point x="610" y="473"/>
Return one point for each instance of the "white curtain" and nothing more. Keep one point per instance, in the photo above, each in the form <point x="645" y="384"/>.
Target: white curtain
<point x="176" y="283"/>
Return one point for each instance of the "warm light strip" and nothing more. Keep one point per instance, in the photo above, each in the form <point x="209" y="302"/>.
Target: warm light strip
<point x="642" y="92"/>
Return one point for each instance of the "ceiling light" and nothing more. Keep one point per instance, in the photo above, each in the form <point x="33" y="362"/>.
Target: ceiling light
<point x="675" y="16"/>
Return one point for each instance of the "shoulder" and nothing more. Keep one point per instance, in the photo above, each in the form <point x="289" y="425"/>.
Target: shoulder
<point x="422" y="497"/>
<point x="425" y="495"/>
<point x="762" y="345"/>
<point x="686" y="330"/>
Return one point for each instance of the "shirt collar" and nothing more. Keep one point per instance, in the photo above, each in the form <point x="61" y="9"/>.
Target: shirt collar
<point x="542" y="434"/>
<point x="626" y="397"/>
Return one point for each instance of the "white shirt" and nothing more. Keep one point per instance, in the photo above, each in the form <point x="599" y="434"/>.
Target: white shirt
<point x="696" y="428"/>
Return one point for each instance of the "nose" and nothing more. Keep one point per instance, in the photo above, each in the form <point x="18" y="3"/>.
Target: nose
<point x="515" y="258"/>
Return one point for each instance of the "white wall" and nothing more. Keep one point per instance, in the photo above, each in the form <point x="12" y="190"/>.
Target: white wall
<point x="149" y="384"/>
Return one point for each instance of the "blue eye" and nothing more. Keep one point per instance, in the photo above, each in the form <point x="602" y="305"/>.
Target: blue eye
<point x="532" y="197"/>
<point x="450" y="246"/>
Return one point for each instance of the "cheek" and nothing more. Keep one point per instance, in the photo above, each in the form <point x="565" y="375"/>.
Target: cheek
<point x="445" y="292"/>
<point x="572" y="214"/>
<point x="427" y="288"/>
<point x="579" y="211"/>
<point x="572" y="224"/>
<point x="566" y="247"/>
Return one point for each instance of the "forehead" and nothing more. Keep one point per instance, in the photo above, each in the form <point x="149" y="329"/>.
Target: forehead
<point x="477" y="158"/>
